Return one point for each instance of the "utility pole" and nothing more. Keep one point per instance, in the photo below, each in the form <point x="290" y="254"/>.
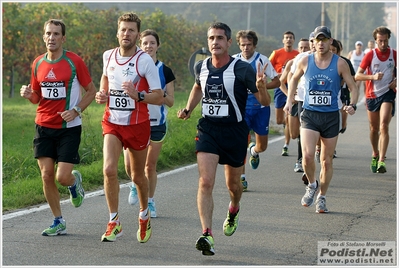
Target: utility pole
<point x="336" y="21"/>
<point x="347" y="26"/>
<point x="322" y="15"/>
<point x="249" y="17"/>
<point x="343" y="22"/>
<point x="265" y="19"/>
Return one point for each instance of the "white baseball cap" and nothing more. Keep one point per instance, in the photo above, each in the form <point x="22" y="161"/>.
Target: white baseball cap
<point x="358" y="43"/>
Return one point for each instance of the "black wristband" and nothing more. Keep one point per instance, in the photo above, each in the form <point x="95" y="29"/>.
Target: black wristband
<point x="354" y="106"/>
<point x="141" y="96"/>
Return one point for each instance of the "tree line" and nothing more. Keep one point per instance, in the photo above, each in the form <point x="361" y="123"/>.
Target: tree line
<point x="89" y="33"/>
<point x="92" y="31"/>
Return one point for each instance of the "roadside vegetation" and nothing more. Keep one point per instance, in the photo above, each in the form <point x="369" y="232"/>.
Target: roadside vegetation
<point x="22" y="185"/>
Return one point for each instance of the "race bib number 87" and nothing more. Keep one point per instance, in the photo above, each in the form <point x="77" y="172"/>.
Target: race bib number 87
<point x="215" y="110"/>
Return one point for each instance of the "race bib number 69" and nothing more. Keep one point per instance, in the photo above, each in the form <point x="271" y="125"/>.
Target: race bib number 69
<point x="121" y="103"/>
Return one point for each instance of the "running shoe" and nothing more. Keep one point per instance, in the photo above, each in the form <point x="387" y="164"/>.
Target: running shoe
<point x="77" y="194"/>
<point x="381" y="167"/>
<point x="206" y="245"/>
<point x="335" y="154"/>
<point x="373" y="164"/>
<point x="153" y="209"/>
<point x="133" y="197"/>
<point x="57" y="228"/>
<point x="244" y="184"/>
<point x="144" y="231"/>
<point x="308" y="198"/>
<point x="253" y="160"/>
<point x="298" y="166"/>
<point x="230" y="223"/>
<point x="305" y="179"/>
<point x="321" y="205"/>
<point x="317" y="155"/>
<point x="114" y="230"/>
<point x="285" y="151"/>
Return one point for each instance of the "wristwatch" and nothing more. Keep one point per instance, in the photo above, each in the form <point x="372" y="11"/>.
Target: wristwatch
<point x="78" y="110"/>
<point x="354" y="106"/>
<point x="141" y="96"/>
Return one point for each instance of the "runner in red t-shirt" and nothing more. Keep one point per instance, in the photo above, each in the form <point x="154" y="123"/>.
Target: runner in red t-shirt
<point x="279" y="59"/>
<point x="57" y="77"/>
<point x="380" y="64"/>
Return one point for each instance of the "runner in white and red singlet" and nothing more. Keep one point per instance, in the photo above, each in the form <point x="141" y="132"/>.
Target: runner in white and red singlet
<point x="129" y="82"/>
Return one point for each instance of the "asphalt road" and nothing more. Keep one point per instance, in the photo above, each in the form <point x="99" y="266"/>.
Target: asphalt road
<point x="274" y="228"/>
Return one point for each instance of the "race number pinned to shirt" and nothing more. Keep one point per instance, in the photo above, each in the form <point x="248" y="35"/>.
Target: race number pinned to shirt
<point x="319" y="97"/>
<point x="53" y="90"/>
<point x="214" y="104"/>
<point x="118" y="100"/>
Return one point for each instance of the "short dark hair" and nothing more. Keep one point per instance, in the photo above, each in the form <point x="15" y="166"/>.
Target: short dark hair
<point x="381" y="30"/>
<point x="289" y="32"/>
<point x="250" y="35"/>
<point x="56" y="22"/>
<point x="304" y="40"/>
<point x="223" y="26"/>
<point x="150" y="32"/>
<point x="130" y="17"/>
<point x="336" y="45"/>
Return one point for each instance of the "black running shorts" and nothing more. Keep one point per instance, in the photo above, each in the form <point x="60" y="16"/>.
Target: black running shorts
<point x="62" y="145"/>
<point x="229" y="141"/>
<point x="158" y="133"/>
<point x="327" y="124"/>
<point x="374" y="105"/>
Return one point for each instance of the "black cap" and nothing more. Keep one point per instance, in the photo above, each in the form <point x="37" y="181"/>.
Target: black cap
<point x="322" y="30"/>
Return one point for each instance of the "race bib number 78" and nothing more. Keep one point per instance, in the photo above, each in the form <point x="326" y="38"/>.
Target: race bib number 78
<point x="53" y="90"/>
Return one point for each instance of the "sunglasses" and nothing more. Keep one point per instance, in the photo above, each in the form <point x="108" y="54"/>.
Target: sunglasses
<point x="317" y="40"/>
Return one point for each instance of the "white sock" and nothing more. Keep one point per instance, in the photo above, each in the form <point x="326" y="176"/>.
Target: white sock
<point x="150" y="199"/>
<point x="114" y="217"/>
<point x="144" y="214"/>
<point x="313" y="184"/>
<point x="253" y="153"/>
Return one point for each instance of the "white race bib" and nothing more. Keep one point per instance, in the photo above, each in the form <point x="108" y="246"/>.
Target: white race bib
<point x="53" y="90"/>
<point x="215" y="110"/>
<point x="319" y="98"/>
<point x="121" y="101"/>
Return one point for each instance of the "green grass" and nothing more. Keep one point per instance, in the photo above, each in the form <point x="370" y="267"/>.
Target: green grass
<point x="22" y="186"/>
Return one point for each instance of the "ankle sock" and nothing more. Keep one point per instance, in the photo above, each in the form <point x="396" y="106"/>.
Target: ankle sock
<point x="114" y="217"/>
<point x="144" y="214"/>
<point x="233" y="210"/>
